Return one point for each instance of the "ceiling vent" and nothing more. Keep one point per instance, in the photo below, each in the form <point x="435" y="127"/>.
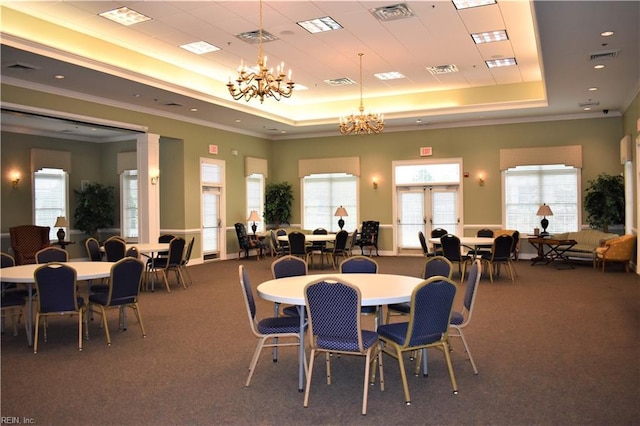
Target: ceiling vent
<point x="344" y="81"/>
<point x="172" y="104"/>
<point x="391" y="13"/>
<point x="253" y="37"/>
<point x="21" y="66"/>
<point x="605" y="54"/>
<point x="442" y="69"/>
<point x="588" y="104"/>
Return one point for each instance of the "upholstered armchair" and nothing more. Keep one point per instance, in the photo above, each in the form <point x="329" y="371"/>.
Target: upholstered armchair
<point x="618" y="249"/>
<point x="26" y="240"/>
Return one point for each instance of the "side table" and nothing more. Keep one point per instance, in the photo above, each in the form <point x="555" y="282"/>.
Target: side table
<point x="62" y="244"/>
<point x="555" y="250"/>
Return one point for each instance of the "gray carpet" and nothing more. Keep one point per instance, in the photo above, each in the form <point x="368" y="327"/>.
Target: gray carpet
<point x="557" y="347"/>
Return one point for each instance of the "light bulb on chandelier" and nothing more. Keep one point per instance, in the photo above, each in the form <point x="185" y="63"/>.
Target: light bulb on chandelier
<point x="263" y="83"/>
<point x="365" y="122"/>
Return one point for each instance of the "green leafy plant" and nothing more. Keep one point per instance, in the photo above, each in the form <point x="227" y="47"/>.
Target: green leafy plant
<point x="278" y="201"/>
<point x="604" y="202"/>
<point x="95" y="208"/>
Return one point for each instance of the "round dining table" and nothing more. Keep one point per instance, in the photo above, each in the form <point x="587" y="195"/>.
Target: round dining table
<point x="150" y="250"/>
<point x="24" y="274"/>
<point x="375" y="290"/>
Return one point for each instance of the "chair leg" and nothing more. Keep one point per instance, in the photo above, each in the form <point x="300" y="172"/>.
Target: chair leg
<point x="166" y="280"/>
<point x="254" y="359"/>
<point x="466" y="347"/>
<point x="136" y="310"/>
<point x="309" y="376"/>
<point x="447" y="356"/>
<point x="81" y="318"/>
<point x="403" y="375"/>
<point x="365" y="391"/>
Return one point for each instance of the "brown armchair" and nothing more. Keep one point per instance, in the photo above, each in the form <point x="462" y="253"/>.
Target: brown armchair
<point x="618" y="249"/>
<point x="26" y="240"/>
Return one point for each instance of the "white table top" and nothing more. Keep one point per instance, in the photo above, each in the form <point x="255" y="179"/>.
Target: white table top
<point x="84" y="271"/>
<point x="312" y="238"/>
<point x="468" y="241"/>
<point x="375" y="289"/>
<point x="149" y="247"/>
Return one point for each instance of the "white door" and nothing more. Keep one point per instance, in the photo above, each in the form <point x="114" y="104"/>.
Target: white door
<point x="212" y="203"/>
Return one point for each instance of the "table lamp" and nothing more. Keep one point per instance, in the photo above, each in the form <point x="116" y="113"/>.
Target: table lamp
<point x="544" y="211"/>
<point x="61" y="222"/>
<point x="341" y="211"/>
<point x="253" y="217"/>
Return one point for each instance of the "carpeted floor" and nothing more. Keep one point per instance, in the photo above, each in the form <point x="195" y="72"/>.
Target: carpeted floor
<point x="557" y="347"/>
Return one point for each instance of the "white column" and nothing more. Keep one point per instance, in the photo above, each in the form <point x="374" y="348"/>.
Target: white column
<point x="148" y="159"/>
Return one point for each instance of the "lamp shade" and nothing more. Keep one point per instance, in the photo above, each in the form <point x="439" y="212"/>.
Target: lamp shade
<point x="341" y="211"/>
<point x="544" y="210"/>
<point x="253" y="216"/>
<point x="61" y="222"/>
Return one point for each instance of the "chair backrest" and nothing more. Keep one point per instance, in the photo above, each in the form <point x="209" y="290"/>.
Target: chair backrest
<point x="93" y="249"/>
<point x="515" y="247"/>
<point x="132" y="252"/>
<point x="297" y="241"/>
<point x="56" y="287"/>
<point x="475" y="272"/>
<point x="319" y="244"/>
<point x="486" y="233"/>
<point x="437" y="265"/>
<point x="438" y="232"/>
<point x="6" y="260"/>
<point x="289" y="266"/>
<point x="26" y="240"/>
<point x="333" y="309"/>
<point x="166" y="238"/>
<point x="502" y="246"/>
<point x="176" y="251"/>
<point x="52" y="254"/>
<point x="247" y="293"/>
<point x="423" y="243"/>
<point x="115" y="249"/>
<point x="187" y="254"/>
<point x="431" y="303"/>
<point x="340" y="244"/>
<point x="124" y="281"/>
<point x="354" y="238"/>
<point x="359" y="265"/>
<point x="279" y="233"/>
<point x="369" y="233"/>
<point x="450" y="247"/>
<point x="241" y="233"/>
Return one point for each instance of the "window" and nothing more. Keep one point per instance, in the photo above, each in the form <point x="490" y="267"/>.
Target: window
<point x="212" y="199"/>
<point x="50" y="198"/>
<point x="129" y="191"/>
<point x="323" y="194"/>
<point x="528" y="187"/>
<point x="255" y="199"/>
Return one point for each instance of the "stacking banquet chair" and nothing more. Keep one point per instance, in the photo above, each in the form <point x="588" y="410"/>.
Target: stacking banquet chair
<point x="361" y="265"/>
<point x="185" y="260"/>
<point x="52" y="254"/>
<point x="13" y="299"/>
<point x="171" y="262"/>
<point x="123" y="289"/>
<point x="339" y="248"/>
<point x="115" y="249"/>
<point x="277" y="249"/>
<point x="460" y="319"/>
<point x="267" y="328"/>
<point x="452" y="250"/>
<point x="369" y="236"/>
<point x="57" y="296"/>
<point x="500" y="255"/>
<point x="317" y="247"/>
<point x="298" y="245"/>
<point x="288" y="266"/>
<point x="333" y="309"/>
<point x="93" y="249"/>
<point x="26" y="240"/>
<point x="437" y="233"/>
<point x="7" y="261"/>
<point x="433" y="266"/>
<point x="351" y="243"/>
<point x="477" y="252"/>
<point x="428" y="325"/>
<point x="132" y="252"/>
<point x="423" y="244"/>
<point x="281" y="232"/>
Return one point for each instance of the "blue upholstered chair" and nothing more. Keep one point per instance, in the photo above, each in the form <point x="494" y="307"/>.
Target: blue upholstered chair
<point x="288" y="266"/>
<point x="333" y="309"/>
<point x="52" y="254"/>
<point x="93" y="249"/>
<point x="361" y="265"/>
<point x="267" y="328"/>
<point x="428" y="326"/>
<point x="339" y="248"/>
<point x="123" y="289"/>
<point x="57" y="294"/>
<point x="115" y="249"/>
<point x="452" y="250"/>
<point x="172" y="262"/>
<point x="501" y="254"/>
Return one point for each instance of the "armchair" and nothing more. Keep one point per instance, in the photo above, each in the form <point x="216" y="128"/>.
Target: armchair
<point x="27" y="240"/>
<point x="618" y="249"/>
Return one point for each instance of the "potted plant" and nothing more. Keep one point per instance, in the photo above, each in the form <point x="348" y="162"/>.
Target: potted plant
<point x="604" y="202"/>
<point x="277" y="206"/>
<point x="95" y="208"/>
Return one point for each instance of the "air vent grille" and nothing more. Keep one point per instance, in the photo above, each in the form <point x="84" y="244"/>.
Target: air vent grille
<point x="344" y="81"/>
<point x="173" y="104"/>
<point x="391" y="13"/>
<point x="588" y="104"/>
<point x="605" y="54"/>
<point x="253" y="37"/>
<point x="21" y="66"/>
<point x="442" y="69"/>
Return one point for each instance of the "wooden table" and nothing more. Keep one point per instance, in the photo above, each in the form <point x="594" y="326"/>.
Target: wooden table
<point x="23" y="274"/>
<point x="555" y="250"/>
<point x="375" y="289"/>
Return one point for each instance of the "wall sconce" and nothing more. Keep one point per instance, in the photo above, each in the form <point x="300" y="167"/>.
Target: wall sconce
<point x="154" y="180"/>
<point x="375" y="183"/>
<point x="15" y="179"/>
<point x="154" y="174"/>
<point x="481" y="179"/>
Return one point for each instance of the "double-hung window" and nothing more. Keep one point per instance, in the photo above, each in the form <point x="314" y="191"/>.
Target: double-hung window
<point x="50" y="197"/>
<point x="255" y="199"/>
<point x="129" y="191"/>
<point x="323" y="194"/>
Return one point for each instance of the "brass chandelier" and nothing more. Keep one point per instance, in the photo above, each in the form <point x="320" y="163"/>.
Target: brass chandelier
<point x="263" y="83"/>
<point x="364" y="122"/>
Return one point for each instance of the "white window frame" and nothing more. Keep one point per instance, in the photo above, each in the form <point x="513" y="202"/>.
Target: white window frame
<point x="335" y="198"/>
<point x="219" y="187"/>
<point x="255" y="187"/>
<point x="45" y="215"/>
<point x="126" y="177"/>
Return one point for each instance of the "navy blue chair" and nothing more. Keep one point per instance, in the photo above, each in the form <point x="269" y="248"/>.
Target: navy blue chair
<point x="361" y="265"/>
<point x="501" y="254"/>
<point x="172" y="262"/>
<point x="115" y="249"/>
<point x="288" y="266"/>
<point x="452" y="250"/>
<point x="428" y="325"/>
<point x="124" y="285"/>
<point x="267" y="328"/>
<point x="333" y="309"/>
<point x="339" y="248"/>
<point x="51" y="254"/>
<point x="93" y="249"/>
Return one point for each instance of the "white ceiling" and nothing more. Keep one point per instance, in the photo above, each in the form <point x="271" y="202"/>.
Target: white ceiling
<point x="142" y="68"/>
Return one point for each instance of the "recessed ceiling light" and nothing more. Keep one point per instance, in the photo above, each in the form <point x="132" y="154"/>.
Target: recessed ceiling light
<point x="124" y="16"/>
<point x="607" y="33"/>
<point x="466" y="4"/>
<point x="319" y="25"/>
<point x="200" y="47"/>
<point x="497" y="63"/>
<point x="193" y="109"/>
<point x="391" y="75"/>
<point x="593" y="89"/>
<point x="587" y="109"/>
<point x="58" y="76"/>
<point x="489" y="36"/>
<point x="599" y="66"/>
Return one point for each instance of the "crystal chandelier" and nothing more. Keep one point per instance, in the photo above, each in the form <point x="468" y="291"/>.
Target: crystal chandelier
<point x="361" y="123"/>
<point x="263" y="83"/>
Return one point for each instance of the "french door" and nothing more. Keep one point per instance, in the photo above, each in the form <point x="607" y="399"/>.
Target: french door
<point x="212" y="187"/>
